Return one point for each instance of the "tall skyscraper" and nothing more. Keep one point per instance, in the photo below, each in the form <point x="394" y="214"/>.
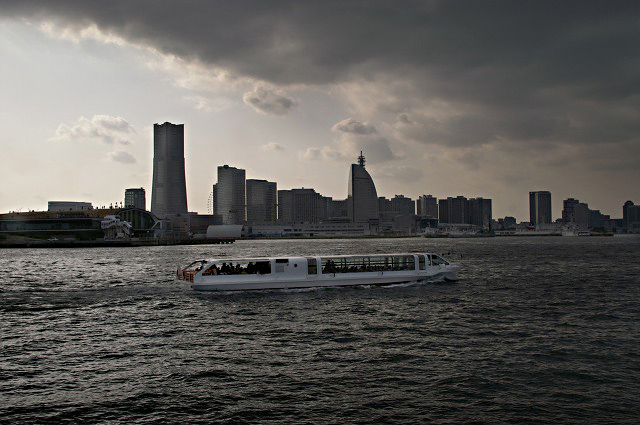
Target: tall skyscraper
<point x="169" y="190"/>
<point x="262" y="197"/>
<point x="540" y="208"/>
<point x="427" y="206"/>
<point x="229" y="193"/>
<point x="363" y="198"/>
<point x="135" y="198"/>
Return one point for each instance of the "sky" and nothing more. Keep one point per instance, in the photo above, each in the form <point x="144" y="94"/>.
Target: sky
<point x="477" y="98"/>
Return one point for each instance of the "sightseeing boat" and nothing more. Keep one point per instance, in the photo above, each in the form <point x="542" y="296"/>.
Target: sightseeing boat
<point x="319" y="271"/>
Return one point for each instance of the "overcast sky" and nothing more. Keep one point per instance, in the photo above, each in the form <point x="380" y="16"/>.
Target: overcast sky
<point x="474" y="98"/>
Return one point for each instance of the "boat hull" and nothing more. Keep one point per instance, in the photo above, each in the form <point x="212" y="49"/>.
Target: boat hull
<point x="450" y="274"/>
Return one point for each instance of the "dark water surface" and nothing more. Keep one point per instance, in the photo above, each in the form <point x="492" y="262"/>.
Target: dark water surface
<point x="539" y="330"/>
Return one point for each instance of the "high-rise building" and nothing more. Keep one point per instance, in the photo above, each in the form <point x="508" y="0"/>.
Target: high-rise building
<point x="324" y="207"/>
<point x="427" y="206"/>
<point x="229" y="201"/>
<point x="443" y="211"/>
<point x="363" y="198"/>
<point x="135" y="198"/>
<point x="569" y="210"/>
<point x="403" y="205"/>
<point x="169" y="190"/>
<point x="299" y="206"/>
<point x="480" y="212"/>
<point x="540" y="208"/>
<point x="262" y="198"/>
<point x="454" y="210"/>
<point x="631" y="217"/>
<point x="579" y="214"/>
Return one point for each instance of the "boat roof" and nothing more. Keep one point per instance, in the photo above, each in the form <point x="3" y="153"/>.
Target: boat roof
<point x="378" y="254"/>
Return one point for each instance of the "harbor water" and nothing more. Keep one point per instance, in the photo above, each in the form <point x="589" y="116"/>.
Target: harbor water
<point x="538" y="330"/>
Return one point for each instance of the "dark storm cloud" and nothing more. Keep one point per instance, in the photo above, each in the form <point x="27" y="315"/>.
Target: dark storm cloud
<point x="521" y="70"/>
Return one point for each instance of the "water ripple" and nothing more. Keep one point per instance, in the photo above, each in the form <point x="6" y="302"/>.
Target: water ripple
<point x="540" y="330"/>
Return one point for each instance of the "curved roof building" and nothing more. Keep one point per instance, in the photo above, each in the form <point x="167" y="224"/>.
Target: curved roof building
<point x="363" y="197"/>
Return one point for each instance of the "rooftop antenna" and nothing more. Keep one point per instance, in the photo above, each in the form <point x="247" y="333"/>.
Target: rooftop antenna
<point x="361" y="160"/>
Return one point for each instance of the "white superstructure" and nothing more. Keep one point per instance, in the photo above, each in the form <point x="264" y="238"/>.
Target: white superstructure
<point x="316" y="271"/>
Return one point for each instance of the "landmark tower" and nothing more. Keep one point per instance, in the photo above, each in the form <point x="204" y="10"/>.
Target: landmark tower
<point x="363" y="198"/>
<point x="169" y="191"/>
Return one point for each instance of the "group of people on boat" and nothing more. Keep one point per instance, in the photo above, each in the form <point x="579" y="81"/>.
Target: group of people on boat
<point x="331" y="267"/>
<point x="259" y="267"/>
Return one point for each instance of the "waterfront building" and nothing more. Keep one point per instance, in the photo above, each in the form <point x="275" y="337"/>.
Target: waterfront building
<point x="631" y="217"/>
<point x="540" y="208"/>
<point x="338" y="208"/>
<point x="386" y="214"/>
<point x="569" y="210"/>
<point x="363" y="198"/>
<point x="299" y="206"/>
<point x="169" y="190"/>
<point x="480" y="212"/>
<point x="443" y="210"/>
<point x="384" y="205"/>
<point x="262" y="199"/>
<point x="324" y="208"/>
<point x="403" y="205"/>
<point x="397" y="215"/>
<point x="506" y="223"/>
<point x="427" y="206"/>
<point x="229" y="191"/>
<point x="330" y="229"/>
<point x="579" y="215"/>
<point x="457" y="210"/>
<point x="454" y="210"/>
<point x="60" y="206"/>
<point x="135" y="198"/>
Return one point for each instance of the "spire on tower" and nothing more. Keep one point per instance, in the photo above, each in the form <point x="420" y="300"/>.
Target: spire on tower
<point x="361" y="160"/>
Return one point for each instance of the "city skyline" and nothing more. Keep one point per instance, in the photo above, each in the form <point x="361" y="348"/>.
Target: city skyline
<point x="494" y="114"/>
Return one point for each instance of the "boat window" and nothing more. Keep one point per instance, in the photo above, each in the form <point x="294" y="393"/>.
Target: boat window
<point x="239" y="267"/>
<point x="312" y="266"/>
<point x="282" y="260"/>
<point x="195" y="266"/>
<point x="421" y="262"/>
<point x="437" y="260"/>
<point x="368" y="264"/>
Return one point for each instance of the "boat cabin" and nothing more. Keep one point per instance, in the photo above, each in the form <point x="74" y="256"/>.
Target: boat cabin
<point x="308" y="267"/>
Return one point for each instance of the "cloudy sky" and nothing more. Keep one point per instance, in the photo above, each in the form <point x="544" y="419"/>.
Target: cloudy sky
<point x="474" y="98"/>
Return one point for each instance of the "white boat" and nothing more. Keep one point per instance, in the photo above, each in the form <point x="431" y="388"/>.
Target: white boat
<point x="320" y="271"/>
